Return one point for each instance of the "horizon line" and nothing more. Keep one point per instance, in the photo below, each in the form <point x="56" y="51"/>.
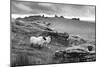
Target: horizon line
<point x="45" y="15"/>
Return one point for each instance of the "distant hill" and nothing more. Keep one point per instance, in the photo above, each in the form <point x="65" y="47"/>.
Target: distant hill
<point x="74" y="27"/>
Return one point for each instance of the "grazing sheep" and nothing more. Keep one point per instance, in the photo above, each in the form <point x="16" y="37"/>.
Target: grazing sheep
<point x="41" y="41"/>
<point x="36" y="40"/>
<point x="48" y="39"/>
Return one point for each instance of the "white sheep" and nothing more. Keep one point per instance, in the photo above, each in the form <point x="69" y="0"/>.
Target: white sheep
<point x="41" y="41"/>
<point x="36" y="40"/>
<point x="47" y="41"/>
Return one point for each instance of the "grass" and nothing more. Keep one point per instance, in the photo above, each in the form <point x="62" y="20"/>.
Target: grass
<point x="22" y="54"/>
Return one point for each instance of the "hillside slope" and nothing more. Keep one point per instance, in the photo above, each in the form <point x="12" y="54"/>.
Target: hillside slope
<point x="84" y="29"/>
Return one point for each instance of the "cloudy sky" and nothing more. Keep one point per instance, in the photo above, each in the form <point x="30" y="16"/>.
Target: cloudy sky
<point x="19" y="8"/>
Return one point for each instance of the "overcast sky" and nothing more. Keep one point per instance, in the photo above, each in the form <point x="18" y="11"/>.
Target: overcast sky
<point x="84" y="12"/>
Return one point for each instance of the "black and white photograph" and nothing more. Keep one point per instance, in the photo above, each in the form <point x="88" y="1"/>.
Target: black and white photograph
<point x="44" y="33"/>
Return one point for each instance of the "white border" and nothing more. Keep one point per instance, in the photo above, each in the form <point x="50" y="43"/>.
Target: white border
<point x="5" y="33"/>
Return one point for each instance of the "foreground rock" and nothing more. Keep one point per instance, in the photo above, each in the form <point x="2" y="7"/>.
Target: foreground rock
<point x="75" y="54"/>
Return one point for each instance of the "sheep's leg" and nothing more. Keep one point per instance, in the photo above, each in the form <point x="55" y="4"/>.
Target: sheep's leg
<point x="34" y="45"/>
<point x="31" y="44"/>
<point x="39" y="46"/>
